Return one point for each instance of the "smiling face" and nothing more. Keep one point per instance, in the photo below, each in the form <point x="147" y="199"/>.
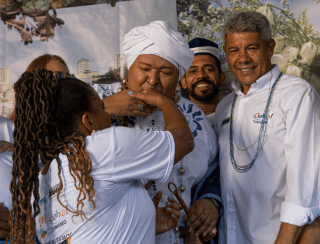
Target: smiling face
<point x="249" y="58"/>
<point x="151" y="71"/>
<point x="203" y="79"/>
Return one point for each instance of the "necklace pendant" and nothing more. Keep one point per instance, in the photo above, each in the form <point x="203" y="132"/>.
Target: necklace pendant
<point x="181" y="188"/>
<point x="176" y="229"/>
<point x="182" y="171"/>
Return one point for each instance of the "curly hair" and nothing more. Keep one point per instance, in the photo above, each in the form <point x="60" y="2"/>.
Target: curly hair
<point x="46" y="113"/>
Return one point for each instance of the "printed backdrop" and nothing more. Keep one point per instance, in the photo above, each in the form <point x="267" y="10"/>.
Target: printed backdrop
<point x="88" y="34"/>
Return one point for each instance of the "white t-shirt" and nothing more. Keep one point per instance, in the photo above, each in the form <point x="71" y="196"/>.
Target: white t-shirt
<point x="195" y="163"/>
<point x="283" y="185"/>
<point x="6" y="129"/>
<point x="124" y="212"/>
<point x="5" y="178"/>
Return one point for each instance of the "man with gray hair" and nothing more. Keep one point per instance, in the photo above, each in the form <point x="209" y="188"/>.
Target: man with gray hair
<point x="269" y="142"/>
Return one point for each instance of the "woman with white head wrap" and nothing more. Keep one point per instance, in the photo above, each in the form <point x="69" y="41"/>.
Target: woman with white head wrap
<point x="157" y="57"/>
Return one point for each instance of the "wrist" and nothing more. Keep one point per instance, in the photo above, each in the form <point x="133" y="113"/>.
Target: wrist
<point x="215" y="202"/>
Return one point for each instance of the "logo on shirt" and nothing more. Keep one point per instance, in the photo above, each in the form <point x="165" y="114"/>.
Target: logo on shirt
<point x="57" y="216"/>
<point x="259" y="118"/>
<point x="54" y="191"/>
<point x="226" y="121"/>
<point x="42" y="233"/>
<point x="60" y="239"/>
<point x="42" y="201"/>
<point x="59" y="225"/>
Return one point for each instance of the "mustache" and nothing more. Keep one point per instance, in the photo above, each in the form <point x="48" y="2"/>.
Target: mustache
<point x="202" y="80"/>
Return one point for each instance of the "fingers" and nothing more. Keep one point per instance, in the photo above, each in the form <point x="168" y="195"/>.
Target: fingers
<point x="210" y="235"/>
<point x="6" y="146"/>
<point x="4" y="234"/>
<point x="4" y="217"/>
<point x="204" y="217"/>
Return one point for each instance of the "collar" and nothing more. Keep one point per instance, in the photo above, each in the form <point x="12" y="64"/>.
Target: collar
<point x="262" y="83"/>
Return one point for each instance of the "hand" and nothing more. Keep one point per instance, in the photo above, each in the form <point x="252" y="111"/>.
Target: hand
<point x="203" y="219"/>
<point x="122" y="104"/>
<point x="151" y="97"/>
<point x="4" y="221"/>
<point x="6" y="146"/>
<point x="166" y="217"/>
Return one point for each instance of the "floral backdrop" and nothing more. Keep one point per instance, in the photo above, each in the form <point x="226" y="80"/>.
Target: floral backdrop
<point x="298" y="42"/>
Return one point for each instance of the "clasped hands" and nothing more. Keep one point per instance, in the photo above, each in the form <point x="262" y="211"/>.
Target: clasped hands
<point x="203" y="219"/>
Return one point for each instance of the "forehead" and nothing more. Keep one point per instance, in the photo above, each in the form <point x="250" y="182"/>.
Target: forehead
<point x="154" y="61"/>
<point x="200" y="60"/>
<point x="56" y="66"/>
<point x="243" y="38"/>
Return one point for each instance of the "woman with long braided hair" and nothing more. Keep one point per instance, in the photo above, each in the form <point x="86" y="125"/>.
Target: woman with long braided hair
<point x="89" y="188"/>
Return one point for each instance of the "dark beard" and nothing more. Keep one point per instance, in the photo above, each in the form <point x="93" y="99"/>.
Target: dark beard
<point x="204" y="97"/>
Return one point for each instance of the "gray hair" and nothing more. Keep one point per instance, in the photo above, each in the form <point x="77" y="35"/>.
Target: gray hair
<point x="248" y="21"/>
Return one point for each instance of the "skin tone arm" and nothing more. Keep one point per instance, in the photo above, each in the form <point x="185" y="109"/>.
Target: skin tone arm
<point x="4" y="221"/>
<point x="175" y="122"/>
<point x="288" y="234"/>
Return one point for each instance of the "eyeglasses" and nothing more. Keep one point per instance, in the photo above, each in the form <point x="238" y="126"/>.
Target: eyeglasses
<point x="60" y="75"/>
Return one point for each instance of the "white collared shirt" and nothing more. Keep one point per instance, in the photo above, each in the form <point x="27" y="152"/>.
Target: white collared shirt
<point x="283" y="184"/>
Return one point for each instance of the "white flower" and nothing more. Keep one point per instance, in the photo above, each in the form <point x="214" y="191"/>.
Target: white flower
<point x="294" y="70"/>
<point x="308" y="52"/>
<point x="218" y="8"/>
<point x="267" y="12"/>
<point x="290" y="53"/>
<point x="191" y="7"/>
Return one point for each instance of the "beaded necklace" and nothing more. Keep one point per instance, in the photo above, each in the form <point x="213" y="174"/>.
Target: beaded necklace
<point x="262" y="133"/>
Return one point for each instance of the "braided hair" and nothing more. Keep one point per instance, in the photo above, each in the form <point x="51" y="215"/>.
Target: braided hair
<point x="47" y="115"/>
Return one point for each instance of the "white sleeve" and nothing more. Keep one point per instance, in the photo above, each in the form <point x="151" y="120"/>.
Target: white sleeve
<point x="6" y="129"/>
<point x="142" y="155"/>
<point x="302" y="150"/>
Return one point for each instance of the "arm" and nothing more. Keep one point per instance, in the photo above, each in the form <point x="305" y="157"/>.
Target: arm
<point x="175" y="122"/>
<point x="6" y="146"/>
<point x="301" y="204"/>
<point x="4" y="222"/>
<point x="288" y="234"/>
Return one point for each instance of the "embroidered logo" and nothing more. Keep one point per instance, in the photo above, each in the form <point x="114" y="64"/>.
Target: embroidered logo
<point x="259" y="118"/>
<point x="42" y="233"/>
<point x="225" y="121"/>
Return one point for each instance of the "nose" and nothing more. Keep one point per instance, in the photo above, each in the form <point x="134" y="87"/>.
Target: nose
<point x="153" y="77"/>
<point x="201" y="74"/>
<point x="243" y="57"/>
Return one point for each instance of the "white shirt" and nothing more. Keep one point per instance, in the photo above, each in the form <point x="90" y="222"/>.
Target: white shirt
<point x="124" y="212"/>
<point x="6" y="129"/>
<point x="195" y="163"/>
<point x="211" y="118"/>
<point x="283" y="184"/>
<point x="6" y="165"/>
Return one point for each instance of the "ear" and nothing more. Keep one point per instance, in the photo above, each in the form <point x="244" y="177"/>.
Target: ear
<point x="184" y="82"/>
<point x="222" y="77"/>
<point x="271" y="45"/>
<point x="87" y="122"/>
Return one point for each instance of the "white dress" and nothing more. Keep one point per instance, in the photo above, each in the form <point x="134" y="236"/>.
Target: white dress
<point x="124" y="212"/>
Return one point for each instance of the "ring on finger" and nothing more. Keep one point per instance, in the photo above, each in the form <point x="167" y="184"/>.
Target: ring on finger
<point x="140" y="107"/>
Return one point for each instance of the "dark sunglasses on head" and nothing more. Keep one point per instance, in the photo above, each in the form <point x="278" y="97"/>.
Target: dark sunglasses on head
<point x="59" y="75"/>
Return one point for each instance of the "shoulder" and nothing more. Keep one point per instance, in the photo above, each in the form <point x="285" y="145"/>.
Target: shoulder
<point x="5" y="121"/>
<point x="296" y="90"/>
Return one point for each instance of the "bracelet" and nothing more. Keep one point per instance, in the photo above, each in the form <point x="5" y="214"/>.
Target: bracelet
<point x="215" y="203"/>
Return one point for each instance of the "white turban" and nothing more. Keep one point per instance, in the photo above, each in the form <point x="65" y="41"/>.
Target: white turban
<point x="160" y="39"/>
